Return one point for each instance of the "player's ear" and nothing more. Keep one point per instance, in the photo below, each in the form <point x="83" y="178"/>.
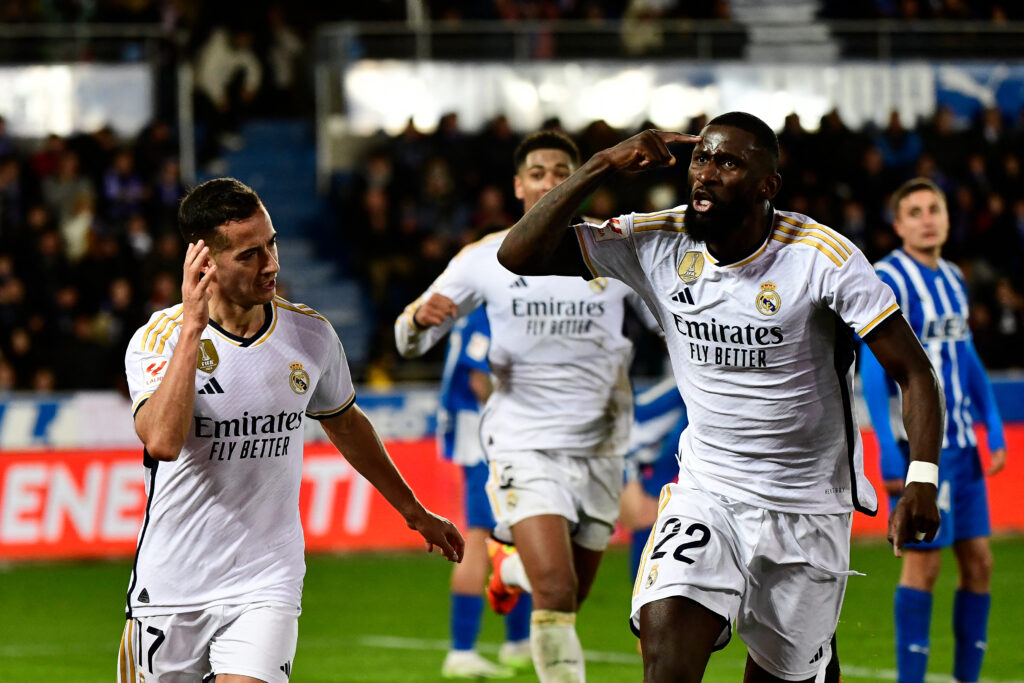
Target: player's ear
<point x="517" y="183"/>
<point x="770" y="186"/>
<point x="206" y="264"/>
<point x="897" y="227"/>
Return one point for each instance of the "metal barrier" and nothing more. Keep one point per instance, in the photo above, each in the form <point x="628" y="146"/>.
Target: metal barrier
<point x="672" y="39"/>
<point x="868" y="63"/>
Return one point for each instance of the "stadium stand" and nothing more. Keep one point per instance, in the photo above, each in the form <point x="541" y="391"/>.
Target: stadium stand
<point x="88" y="246"/>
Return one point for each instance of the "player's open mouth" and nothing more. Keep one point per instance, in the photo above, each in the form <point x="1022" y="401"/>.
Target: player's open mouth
<point x="702" y="201"/>
<point x="269" y="284"/>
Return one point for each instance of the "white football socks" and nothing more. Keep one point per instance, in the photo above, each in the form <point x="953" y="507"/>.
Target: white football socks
<point x="513" y="573"/>
<point x="557" y="653"/>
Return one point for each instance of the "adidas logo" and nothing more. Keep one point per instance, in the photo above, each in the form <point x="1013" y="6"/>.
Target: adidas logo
<point x="212" y="387"/>
<point x="683" y="297"/>
<point x="287" y="669"/>
<point x="818" y="655"/>
<point x="520" y="282"/>
<point x="144" y="596"/>
<point x="918" y="649"/>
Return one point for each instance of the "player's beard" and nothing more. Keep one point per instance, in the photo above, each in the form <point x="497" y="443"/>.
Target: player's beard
<point x="718" y="224"/>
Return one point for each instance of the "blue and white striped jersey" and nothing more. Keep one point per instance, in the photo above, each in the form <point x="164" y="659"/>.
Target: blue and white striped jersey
<point x="658" y="414"/>
<point x="458" y="416"/>
<point x="935" y="304"/>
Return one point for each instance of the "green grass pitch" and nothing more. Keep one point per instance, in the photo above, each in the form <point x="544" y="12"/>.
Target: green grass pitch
<point x="384" y="618"/>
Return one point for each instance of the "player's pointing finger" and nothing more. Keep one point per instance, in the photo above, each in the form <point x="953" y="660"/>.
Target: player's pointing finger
<point x="668" y="136"/>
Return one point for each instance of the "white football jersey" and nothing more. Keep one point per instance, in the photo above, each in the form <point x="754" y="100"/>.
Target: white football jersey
<point x="763" y="351"/>
<point x="222" y="521"/>
<point x="558" y="355"/>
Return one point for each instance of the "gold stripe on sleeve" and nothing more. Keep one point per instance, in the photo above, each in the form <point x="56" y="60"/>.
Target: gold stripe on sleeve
<point x="157" y="333"/>
<point x="167" y="335"/>
<point x="160" y="330"/>
<point x="345" y="404"/>
<point x="816" y="234"/>
<point x="138" y="402"/>
<point x="823" y="228"/>
<point x="298" y="308"/>
<point x="658" y="215"/>
<point x="665" y="220"/>
<point x="882" y="316"/>
<point x="803" y="240"/>
<point x="159" y="318"/>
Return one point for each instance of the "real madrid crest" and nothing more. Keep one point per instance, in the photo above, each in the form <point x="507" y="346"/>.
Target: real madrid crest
<point x="691" y="266"/>
<point x="768" y="301"/>
<point x="207" y="359"/>
<point x="599" y="284"/>
<point x="299" y="379"/>
<point x="652" y="576"/>
<point x="511" y="500"/>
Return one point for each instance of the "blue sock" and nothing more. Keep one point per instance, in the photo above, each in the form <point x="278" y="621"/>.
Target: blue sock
<point x="465" y="620"/>
<point x="913" y="612"/>
<point x="970" y="627"/>
<point x="636" y="550"/>
<point x="517" y="622"/>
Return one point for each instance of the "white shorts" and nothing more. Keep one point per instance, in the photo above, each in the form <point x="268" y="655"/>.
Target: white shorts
<point x="256" y="640"/>
<point x="583" y="490"/>
<point x="779" y="577"/>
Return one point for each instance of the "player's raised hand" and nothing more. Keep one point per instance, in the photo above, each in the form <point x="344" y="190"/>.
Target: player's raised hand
<point x="195" y="286"/>
<point x="434" y="311"/>
<point x="439" y="533"/>
<point x="645" y="150"/>
<point x="996" y="461"/>
<point x="916" y="517"/>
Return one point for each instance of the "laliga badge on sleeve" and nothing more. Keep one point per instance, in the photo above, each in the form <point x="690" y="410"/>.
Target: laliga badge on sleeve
<point x="153" y="370"/>
<point x="609" y="230"/>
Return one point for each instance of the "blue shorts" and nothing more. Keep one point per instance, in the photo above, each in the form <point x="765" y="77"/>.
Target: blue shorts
<point x="962" y="498"/>
<point x="478" y="509"/>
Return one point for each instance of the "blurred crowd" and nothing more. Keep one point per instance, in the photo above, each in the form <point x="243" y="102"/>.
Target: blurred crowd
<point x="88" y="249"/>
<point x="194" y="14"/>
<point x="88" y="245"/>
<point x="454" y="10"/>
<point x="417" y="198"/>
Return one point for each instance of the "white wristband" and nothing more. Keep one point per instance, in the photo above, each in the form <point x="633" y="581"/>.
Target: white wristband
<point x="923" y="473"/>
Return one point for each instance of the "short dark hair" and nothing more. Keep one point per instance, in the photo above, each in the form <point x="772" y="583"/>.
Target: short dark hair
<point x="212" y="204"/>
<point x="764" y="136"/>
<point x="910" y="187"/>
<point x="546" y="139"/>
